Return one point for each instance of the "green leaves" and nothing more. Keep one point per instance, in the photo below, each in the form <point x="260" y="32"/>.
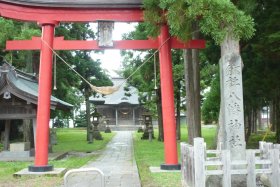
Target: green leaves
<point x="178" y="21"/>
<point x="7" y="30"/>
<point x="153" y="16"/>
<point x="27" y="32"/>
<point x="216" y="18"/>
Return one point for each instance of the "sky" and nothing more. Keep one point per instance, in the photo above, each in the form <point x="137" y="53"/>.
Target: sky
<point x="111" y="58"/>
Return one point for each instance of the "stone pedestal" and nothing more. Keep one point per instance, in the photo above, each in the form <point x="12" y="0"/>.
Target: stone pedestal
<point x="20" y="146"/>
<point x="97" y="135"/>
<point x="107" y="130"/>
<point x="53" y="137"/>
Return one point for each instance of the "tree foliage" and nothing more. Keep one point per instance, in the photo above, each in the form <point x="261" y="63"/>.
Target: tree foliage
<point x="216" y="18"/>
<point x="211" y="104"/>
<point x="261" y="67"/>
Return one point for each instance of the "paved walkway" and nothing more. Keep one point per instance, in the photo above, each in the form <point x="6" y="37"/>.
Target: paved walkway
<point x="117" y="162"/>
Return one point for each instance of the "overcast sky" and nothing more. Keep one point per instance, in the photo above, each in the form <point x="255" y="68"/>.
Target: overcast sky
<point x="111" y="58"/>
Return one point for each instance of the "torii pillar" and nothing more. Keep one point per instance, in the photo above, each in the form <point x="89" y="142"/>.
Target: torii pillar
<point x="167" y="95"/>
<point x="44" y="96"/>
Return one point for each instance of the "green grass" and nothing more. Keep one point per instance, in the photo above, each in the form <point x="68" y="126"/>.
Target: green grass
<point x="255" y="138"/>
<point x="68" y="140"/>
<point x="208" y="133"/>
<point x="152" y="154"/>
<point x="75" y="140"/>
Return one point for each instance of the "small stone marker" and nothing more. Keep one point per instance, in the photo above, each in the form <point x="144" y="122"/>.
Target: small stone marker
<point x="86" y="177"/>
<point x="53" y="137"/>
<point x="20" y="146"/>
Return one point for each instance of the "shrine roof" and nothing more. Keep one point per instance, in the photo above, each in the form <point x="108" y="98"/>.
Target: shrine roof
<point x="125" y="95"/>
<point x="25" y="86"/>
<point x="79" y="3"/>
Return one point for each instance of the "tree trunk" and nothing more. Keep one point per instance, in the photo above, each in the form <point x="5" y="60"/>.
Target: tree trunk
<point x="196" y="82"/>
<point x="7" y="135"/>
<point x="27" y="128"/>
<point x="192" y="80"/>
<point x="272" y="119"/>
<point x="249" y="125"/>
<point x="189" y="95"/>
<point x="178" y="119"/>
<point x="255" y="128"/>
<point x="277" y="117"/>
<point x="87" y="113"/>
<point x="35" y="62"/>
<point x="159" y="111"/>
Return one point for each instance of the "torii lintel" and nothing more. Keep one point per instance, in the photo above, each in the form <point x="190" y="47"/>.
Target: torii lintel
<point x="60" y="44"/>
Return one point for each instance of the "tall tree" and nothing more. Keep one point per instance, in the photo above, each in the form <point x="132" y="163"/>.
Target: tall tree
<point x="261" y="57"/>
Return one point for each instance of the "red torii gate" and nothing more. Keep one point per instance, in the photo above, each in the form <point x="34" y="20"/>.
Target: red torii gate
<point x="48" y="18"/>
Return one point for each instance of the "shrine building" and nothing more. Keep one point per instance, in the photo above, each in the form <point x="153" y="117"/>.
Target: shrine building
<point x="18" y="101"/>
<point x="122" y="108"/>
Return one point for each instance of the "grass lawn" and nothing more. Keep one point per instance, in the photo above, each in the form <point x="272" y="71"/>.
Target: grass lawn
<point x="68" y="140"/>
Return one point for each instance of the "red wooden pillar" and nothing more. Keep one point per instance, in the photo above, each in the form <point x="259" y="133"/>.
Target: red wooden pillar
<point x="44" y="96"/>
<point x="167" y="95"/>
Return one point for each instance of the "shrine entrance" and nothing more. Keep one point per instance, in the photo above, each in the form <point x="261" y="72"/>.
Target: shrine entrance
<point x="49" y="14"/>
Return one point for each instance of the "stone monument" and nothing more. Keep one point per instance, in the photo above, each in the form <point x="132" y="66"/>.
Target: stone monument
<point x="232" y="118"/>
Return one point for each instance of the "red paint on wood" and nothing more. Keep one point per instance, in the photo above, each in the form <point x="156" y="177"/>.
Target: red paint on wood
<point x="93" y="45"/>
<point x="44" y="96"/>
<point x="167" y="95"/>
<point x="43" y="14"/>
<point x="61" y="44"/>
<point x="33" y="44"/>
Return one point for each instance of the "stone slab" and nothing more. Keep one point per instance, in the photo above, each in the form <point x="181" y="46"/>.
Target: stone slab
<point x="158" y="170"/>
<point x="19" y="146"/>
<point x="55" y="172"/>
<point x="8" y="156"/>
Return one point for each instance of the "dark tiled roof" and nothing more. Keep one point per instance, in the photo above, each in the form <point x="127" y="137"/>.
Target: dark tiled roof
<point x="24" y="86"/>
<point x="80" y="3"/>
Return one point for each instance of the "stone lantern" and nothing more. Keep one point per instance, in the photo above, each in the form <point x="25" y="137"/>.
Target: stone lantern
<point x="148" y="131"/>
<point x="95" y="122"/>
<point x="140" y="129"/>
<point x="91" y="131"/>
<point x="106" y="123"/>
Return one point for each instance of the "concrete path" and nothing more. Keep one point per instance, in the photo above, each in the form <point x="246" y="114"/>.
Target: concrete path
<point x="117" y="162"/>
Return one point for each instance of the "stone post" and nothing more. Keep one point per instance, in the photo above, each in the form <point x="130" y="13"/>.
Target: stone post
<point x="232" y="99"/>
